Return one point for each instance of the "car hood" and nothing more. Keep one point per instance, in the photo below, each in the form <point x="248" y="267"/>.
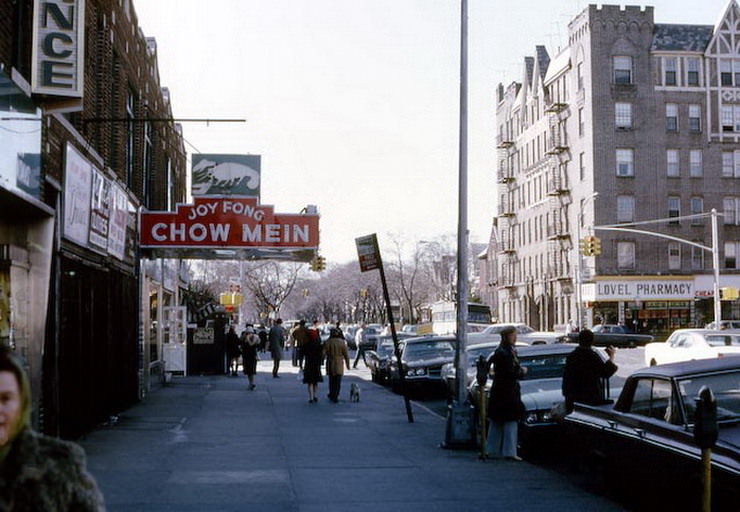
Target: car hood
<point x="541" y="393"/>
<point x="428" y="361"/>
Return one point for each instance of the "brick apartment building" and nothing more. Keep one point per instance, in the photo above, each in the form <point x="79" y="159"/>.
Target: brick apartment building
<point x="632" y="121"/>
<point x="85" y="142"/>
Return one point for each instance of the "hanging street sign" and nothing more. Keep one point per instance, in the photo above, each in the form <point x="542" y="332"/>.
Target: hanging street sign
<point x="233" y="226"/>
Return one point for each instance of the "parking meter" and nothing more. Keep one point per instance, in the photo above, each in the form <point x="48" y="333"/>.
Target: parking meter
<point x="482" y="371"/>
<point x="706" y="430"/>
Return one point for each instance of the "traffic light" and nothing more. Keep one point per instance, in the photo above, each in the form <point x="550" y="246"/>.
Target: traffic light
<point x="321" y="264"/>
<point x="590" y="246"/>
<point x="318" y="263"/>
<point x="595" y="246"/>
<point x="582" y="247"/>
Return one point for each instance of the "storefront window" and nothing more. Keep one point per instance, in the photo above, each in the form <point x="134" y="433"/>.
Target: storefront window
<point x="20" y="140"/>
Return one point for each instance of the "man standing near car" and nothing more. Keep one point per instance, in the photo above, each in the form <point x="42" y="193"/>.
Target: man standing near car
<point x="584" y="370"/>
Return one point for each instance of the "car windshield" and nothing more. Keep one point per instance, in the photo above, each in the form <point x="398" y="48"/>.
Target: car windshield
<point x="726" y="389"/>
<point x="546" y="366"/>
<point x="722" y="340"/>
<point x="385" y="349"/>
<point x="429" y="349"/>
<point x="497" y="328"/>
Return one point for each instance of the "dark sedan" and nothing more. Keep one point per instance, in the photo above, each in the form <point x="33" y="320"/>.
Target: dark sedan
<point x="378" y="360"/>
<point x="644" y="443"/>
<point x="421" y="361"/>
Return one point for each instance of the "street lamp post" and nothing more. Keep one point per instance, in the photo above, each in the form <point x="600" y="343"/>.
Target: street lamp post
<point x="579" y="261"/>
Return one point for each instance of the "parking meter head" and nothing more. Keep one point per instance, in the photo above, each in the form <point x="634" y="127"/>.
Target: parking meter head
<point x="706" y="430"/>
<point x="482" y="371"/>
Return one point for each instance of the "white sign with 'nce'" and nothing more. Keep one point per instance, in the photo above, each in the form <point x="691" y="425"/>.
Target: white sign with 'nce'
<point x="58" y="47"/>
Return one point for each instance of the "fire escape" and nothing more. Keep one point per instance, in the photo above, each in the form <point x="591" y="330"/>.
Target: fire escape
<point x="506" y="177"/>
<point x="559" y="238"/>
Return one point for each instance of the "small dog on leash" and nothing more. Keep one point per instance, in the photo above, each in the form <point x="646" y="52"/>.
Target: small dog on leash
<point x="354" y="392"/>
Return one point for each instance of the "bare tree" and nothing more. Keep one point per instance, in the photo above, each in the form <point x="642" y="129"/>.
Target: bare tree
<point x="271" y="283"/>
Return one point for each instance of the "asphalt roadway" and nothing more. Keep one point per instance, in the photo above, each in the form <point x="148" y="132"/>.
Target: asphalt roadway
<point x="206" y="443"/>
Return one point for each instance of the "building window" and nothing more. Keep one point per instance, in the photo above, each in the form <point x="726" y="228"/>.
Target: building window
<point x="730" y="164"/>
<point x="623" y="115"/>
<point x="579" y="76"/>
<point x="147" y="166"/>
<point x="692" y="75"/>
<point x="622" y="70"/>
<point x="669" y="71"/>
<point x="674" y="208"/>
<point x="171" y="199"/>
<point x="626" y="255"/>
<point x="697" y="207"/>
<point x="694" y="118"/>
<point x="731" y="254"/>
<point x="696" y="169"/>
<point x="697" y="258"/>
<point x="730" y="207"/>
<point x="727" y="118"/>
<point x="625" y="208"/>
<point x="582" y="166"/>
<point x="625" y="162"/>
<point x="130" y="137"/>
<point x="672" y="164"/>
<point x="725" y="72"/>
<point x="671" y="117"/>
<point x="581" y="122"/>
<point x="674" y="256"/>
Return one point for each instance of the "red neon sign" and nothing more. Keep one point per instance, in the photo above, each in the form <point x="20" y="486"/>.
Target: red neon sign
<point x="228" y="222"/>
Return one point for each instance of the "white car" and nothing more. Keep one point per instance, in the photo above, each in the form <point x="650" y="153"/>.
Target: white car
<point x="524" y="333"/>
<point x="690" y="344"/>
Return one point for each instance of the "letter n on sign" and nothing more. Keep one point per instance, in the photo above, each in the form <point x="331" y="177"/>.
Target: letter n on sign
<point x="368" y="252"/>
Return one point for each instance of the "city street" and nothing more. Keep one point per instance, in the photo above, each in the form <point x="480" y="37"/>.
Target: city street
<point x="207" y="443"/>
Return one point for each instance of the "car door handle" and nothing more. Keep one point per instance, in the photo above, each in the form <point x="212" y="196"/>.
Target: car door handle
<point x="640" y="432"/>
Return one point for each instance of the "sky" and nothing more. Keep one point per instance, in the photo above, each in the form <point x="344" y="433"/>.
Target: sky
<point x="354" y="104"/>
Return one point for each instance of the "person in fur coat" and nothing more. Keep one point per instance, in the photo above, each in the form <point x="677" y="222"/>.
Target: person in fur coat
<point x="37" y="472"/>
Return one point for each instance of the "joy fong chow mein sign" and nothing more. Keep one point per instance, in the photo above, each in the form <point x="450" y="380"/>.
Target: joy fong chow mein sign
<point x="228" y="222"/>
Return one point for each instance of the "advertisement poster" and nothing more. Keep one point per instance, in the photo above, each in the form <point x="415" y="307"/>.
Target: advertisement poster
<point x="77" y="186"/>
<point x="231" y="175"/>
<point x="99" y="210"/>
<point x="117" y="222"/>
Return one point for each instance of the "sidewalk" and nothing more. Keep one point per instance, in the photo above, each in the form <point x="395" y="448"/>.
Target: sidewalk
<point x="209" y="444"/>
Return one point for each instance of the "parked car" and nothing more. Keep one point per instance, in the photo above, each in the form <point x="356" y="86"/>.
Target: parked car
<point x="644" y="443"/>
<point x="616" y="335"/>
<point x="541" y="391"/>
<point x="473" y="351"/>
<point x="377" y="360"/>
<point x="689" y="344"/>
<point x="524" y="333"/>
<point x="371" y="338"/>
<point x="422" y="359"/>
<point x="724" y="324"/>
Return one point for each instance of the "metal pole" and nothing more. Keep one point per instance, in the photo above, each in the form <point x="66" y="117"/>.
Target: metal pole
<point x="715" y="267"/>
<point x="579" y="273"/>
<point x="462" y="227"/>
<point x="706" y="463"/>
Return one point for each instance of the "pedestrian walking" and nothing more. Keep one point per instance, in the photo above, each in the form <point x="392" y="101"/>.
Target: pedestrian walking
<point x="505" y="403"/>
<point x="276" y="340"/>
<point x="337" y="356"/>
<point x="37" y="472"/>
<point x="312" y="354"/>
<point x="248" y="344"/>
<point x="584" y="371"/>
<point x="300" y="338"/>
<point x="262" y="333"/>
<point x="232" y="351"/>
<point x="360" y="339"/>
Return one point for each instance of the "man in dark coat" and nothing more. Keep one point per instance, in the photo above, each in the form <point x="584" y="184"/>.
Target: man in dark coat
<point x="276" y="339"/>
<point x="584" y="371"/>
<point x="505" y="401"/>
<point x="232" y="351"/>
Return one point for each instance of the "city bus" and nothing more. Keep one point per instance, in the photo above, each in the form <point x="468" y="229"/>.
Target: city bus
<point x="444" y="317"/>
